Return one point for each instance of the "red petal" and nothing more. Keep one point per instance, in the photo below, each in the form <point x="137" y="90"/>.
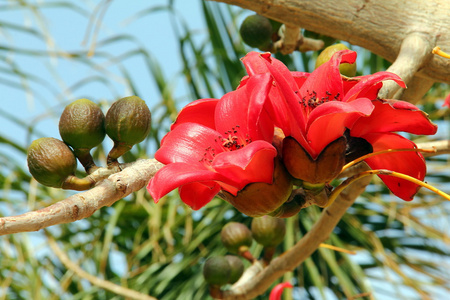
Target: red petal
<point x="198" y="194"/>
<point x="200" y="111"/>
<point x="394" y="115"/>
<point x="257" y="63"/>
<point x="188" y="143"/>
<point x="368" y="86"/>
<point x="242" y="110"/>
<point x="329" y="121"/>
<point x="409" y="163"/>
<point x="326" y="80"/>
<point x="253" y="163"/>
<point x="284" y="86"/>
<point x="447" y="101"/>
<point x="277" y="291"/>
<point x="176" y="175"/>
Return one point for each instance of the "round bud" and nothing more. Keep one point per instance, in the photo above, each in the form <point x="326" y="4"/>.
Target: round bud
<point x="256" y="31"/>
<point x="236" y="237"/>
<point x="348" y="70"/>
<point x="128" y="120"/>
<point x="237" y="268"/>
<point x="268" y="231"/>
<point x="50" y="161"/>
<point x="82" y="124"/>
<point x="217" y="271"/>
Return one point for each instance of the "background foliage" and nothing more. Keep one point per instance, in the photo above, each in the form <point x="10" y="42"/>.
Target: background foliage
<point x="402" y="248"/>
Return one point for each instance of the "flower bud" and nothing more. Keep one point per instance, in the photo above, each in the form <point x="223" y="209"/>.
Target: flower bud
<point x="127" y="123"/>
<point x="237" y="268"/>
<point x="268" y="231"/>
<point x="346" y="69"/>
<point x="236" y="237"/>
<point x="82" y="124"/>
<point x="259" y="199"/>
<point x="217" y="271"/>
<point x="128" y="120"/>
<point x="324" y="168"/>
<point x="50" y="161"/>
<point x="256" y="31"/>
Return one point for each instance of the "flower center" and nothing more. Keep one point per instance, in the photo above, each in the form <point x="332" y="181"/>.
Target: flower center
<point x="231" y="140"/>
<point x="312" y="100"/>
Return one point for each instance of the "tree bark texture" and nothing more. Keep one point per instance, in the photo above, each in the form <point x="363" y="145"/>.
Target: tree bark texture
<point x="380" y="26"/>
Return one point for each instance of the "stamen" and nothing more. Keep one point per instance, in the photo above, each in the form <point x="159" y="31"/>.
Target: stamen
<point x="360" y="159"/>
<point x="335" y="193"/>
<point x="437" y="50"/>
<point x="234" y="141"/>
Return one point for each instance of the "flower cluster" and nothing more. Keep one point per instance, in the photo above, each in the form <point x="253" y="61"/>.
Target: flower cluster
<point x="279" y="127"/>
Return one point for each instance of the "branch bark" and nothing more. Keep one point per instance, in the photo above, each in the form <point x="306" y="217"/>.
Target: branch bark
<point x="83" y="205"/>
<point x="394" y="29"/>
<point x="302" y="249"/>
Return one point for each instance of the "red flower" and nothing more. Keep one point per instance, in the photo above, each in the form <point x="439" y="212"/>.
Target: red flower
<point x="447" y="101"/>
<point x="377" y="129"/>
<point x="213" y="146"/>
<point x="314" y="110"/>
<point x="277" y="291"/>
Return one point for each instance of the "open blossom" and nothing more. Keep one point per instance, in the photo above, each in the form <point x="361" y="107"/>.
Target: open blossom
<point x="213" y="147"/>
<point x="314" y="110"/>
<point x="378" y="130"/>
<point x="323" y="114"/>
<point x="321" y="120"/>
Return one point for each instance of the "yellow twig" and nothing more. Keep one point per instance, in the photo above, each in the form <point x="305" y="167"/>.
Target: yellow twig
<point x="337" y="248"/>
<point x="335" y="193"/>
<point x="437" y="50"/>
<point x="360" y="159"/>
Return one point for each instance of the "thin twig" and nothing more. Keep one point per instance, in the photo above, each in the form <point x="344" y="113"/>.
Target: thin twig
<point x="104" y="284"/>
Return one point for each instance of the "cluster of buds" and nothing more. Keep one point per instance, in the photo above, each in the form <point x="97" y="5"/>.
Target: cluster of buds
<point x="237" y="238"/>
<point x="83" y="126"/>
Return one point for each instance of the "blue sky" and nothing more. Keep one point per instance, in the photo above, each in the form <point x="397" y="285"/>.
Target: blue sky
<point x="67" y="30"/>
<point x="39" y="104"/>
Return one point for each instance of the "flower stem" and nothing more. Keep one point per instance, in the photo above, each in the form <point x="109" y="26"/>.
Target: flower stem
<point x="437" y="50"/>
<point x="337" y="248"/>
<point x="334" y="194"/>
<point x="360" y="159"/>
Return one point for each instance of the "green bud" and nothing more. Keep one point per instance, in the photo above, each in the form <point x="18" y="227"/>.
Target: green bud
<point x="256" y="31"/>
<point x="348" y="70"/>
<point x="217" y="271"/>
<point x="127" y="123"/>
<point x="268" y="231"/>
<point x="236" y="237"/>
<point x="237" y="268"/>
<point x="128" y="120"/>
<point x="82" y="124"/>
<point x="50" y="161"/>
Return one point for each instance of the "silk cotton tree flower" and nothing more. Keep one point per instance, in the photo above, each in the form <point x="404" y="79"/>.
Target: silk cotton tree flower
<point x="219" y="146"/>
<point x="314" y="111"/>
<point x="378" y="130"/>
<point x="330" y="119"/>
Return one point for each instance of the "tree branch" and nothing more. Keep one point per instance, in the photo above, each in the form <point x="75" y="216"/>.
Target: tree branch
<point x="134" y="177"/>
<point x="303" y="249"/>
<point x="386" y="27"/>
<point x="83" y="205"/>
